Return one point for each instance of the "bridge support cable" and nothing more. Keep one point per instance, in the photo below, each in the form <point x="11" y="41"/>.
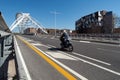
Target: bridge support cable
<point x="15" y="23"/>
<point x="35" y="22"/>
<point x="24" y="20"/>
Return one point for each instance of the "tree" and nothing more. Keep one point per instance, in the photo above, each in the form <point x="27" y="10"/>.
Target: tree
<point x="116" y="20"/>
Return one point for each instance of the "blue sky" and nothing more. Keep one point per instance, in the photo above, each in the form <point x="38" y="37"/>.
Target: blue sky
<point x="70" y="10"/>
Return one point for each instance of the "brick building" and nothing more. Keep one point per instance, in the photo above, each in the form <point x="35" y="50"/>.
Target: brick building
<point x="116" y="30"/>
<point x="30" y="31"/>
<point x="58" y="31"/>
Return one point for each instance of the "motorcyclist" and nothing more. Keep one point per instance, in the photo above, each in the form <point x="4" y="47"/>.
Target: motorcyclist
<point x="64" y="37"/>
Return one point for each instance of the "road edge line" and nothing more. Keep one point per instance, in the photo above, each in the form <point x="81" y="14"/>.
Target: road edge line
<point x="22" y="60"/>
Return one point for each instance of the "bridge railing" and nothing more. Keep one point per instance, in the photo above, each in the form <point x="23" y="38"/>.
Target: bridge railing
<point x="115" y="38"/>
<point x="6" y="48"/>
<point x="107" y="38"/>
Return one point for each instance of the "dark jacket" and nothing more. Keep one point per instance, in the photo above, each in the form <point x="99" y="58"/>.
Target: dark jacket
<point x="64" y="37"/>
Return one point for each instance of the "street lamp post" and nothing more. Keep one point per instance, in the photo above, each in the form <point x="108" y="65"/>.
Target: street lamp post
<point x="55" y="13"/>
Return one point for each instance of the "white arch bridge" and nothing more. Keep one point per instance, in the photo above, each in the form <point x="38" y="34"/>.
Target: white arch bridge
<point x="24" y="20"/>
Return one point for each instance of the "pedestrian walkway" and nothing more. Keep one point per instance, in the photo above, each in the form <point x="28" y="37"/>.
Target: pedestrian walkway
<point x="8" y="71"/>
<point x="12" y="75"/>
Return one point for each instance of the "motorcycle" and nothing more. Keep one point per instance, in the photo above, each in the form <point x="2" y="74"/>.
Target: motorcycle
<point x="67" y="45"/>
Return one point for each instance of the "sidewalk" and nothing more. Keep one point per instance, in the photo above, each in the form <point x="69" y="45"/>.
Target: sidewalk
<point x="12" y="74"/>
<point x="8" y="70"/>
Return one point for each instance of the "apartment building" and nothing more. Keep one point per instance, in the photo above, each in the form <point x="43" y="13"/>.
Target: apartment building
<point x="98" y="22"/>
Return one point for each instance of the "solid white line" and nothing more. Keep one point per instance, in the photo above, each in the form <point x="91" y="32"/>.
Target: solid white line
<point x="92" y="58"/>
<point x="85" y="41"/>
<point x="36" y="44"/>
<point x="46" y="46"/>
<point x="50" y="45"/>
<point x="64" y="66"/>
<point x="93" y="64"/>
<point x="85" y="61"/>
<point x="87" y="57"/>
<point x="22" y="60"/>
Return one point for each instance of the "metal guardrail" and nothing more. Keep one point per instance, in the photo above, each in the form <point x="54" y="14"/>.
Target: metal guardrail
<point x="108" y="38"/>
<point x="2" y="33"/>
<point x="105" y="38"/>
<point x="6" y="48"/>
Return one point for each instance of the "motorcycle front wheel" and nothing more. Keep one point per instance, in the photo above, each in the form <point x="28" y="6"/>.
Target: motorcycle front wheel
<point x="70" y="48"/>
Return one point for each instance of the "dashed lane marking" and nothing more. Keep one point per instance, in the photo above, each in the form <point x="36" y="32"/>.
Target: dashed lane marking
<point x="92" y="58"/>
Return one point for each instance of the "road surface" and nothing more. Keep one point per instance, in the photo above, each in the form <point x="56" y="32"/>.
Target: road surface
<point x="88" y="61"/>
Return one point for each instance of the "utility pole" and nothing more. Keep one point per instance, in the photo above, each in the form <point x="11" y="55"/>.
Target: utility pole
<point x="55" y="13"/>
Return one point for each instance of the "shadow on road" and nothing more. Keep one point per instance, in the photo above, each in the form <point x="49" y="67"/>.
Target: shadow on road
<point x="57" y="49"/>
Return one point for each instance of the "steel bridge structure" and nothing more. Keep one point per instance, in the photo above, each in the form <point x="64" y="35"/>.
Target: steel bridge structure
<point x="24" y="20"/>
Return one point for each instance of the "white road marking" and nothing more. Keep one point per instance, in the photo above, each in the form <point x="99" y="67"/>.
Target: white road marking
<point x="37" y="44"/>
<point x="46" y="46"/>
<point x="50" y="45"/>
<point x="93" y="64"/>
<point x="59" y="55"/>
<point x="29" y="40"/>
<point x="64" y="66"/>
<point x="97" y="43"/>
<point x="114" y="51"/>
<point x="52" y="38"/>
<point x="86" y="57"/>
<point x="85" y="61"/>
<point x="81" y="41"/>
<point x="22" y="61"/>
<point x="92" y="58"/>
<point x="85" y="41"/>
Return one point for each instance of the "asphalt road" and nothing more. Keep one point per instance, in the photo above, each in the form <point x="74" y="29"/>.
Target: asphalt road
<point x="88" y="61"/>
